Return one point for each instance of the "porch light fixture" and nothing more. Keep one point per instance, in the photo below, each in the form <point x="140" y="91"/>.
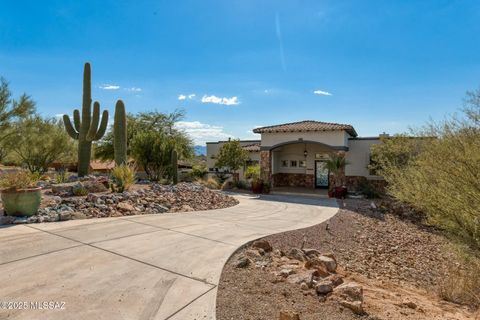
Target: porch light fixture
<point x="305" y="153"/>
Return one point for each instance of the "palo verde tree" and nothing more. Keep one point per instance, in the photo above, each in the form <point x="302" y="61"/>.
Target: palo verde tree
<point x="438" y="171"/>
<point x="36" y="143"/>
<point x="232" y="157"/>
<point x="88" y="127"/>
<point x="11" y="112"/>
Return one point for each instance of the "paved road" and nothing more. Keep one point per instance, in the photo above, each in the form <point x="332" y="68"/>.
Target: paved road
<point x="141" y="267"/>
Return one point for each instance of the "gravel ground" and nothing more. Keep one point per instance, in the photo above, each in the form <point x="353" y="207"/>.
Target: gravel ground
<point x="140" y="199"/>
<point x="393" y="258"/>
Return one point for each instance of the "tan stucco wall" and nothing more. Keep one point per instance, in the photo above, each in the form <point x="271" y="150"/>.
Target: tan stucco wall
<point x="296" y="152"/>
<point x="213" y="149"/>
<point x="358" y="156"/>
<point x="332" y="138"/>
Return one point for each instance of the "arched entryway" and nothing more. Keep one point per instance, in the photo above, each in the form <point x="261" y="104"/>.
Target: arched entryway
<point x="297" y="163"/>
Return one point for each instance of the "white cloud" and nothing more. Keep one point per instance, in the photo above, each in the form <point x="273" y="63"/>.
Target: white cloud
<point x="185" y="97"/>
<point x="322" y="93"/>
<point x="134" y="89"/>
<point x="202" y="132"/>
<point x="109" y="87"/>
<point x="218" y="100"/>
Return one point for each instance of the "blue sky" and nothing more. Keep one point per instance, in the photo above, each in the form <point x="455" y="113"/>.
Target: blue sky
<point x="378" y="65"/>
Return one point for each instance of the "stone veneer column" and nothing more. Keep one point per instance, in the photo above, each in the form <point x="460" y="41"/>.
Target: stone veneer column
<point x="266" y="166"/>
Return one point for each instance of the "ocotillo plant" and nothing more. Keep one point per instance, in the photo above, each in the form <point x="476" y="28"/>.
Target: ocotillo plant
<point x="120" y="134"/>
<point x="86" y="129"/>
<point x="174" y="167"/>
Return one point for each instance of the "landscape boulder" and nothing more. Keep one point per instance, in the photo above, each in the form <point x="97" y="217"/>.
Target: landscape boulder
<point x="329" y="263"/>
<point x="262" y="244"/>
<point x="351" y="296"/>
<point x="297" y="254"/>
<point x="324" y="287"/>
<point x="63" y="189"/>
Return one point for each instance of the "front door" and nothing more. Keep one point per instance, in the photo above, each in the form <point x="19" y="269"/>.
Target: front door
<point x="321" y="174"/>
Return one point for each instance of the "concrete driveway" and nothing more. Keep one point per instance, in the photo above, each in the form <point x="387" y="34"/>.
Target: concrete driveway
<point x="141" y="267"/>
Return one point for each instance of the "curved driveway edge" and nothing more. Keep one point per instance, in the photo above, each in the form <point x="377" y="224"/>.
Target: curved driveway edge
<point x="141" y="267"/>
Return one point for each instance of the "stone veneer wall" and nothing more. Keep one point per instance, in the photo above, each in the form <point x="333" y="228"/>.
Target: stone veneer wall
<point x="266" y="166"/>
<point x="293" y="180"/>
<point x="353" y="183"/>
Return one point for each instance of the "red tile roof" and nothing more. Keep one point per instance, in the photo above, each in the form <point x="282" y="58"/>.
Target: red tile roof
<point x="255" y="147"/>
<point x="97" y="165"/>
<point x="307" y="125"/>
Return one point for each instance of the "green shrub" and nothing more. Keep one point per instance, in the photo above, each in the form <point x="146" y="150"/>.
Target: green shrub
<point x="199" y="171"/>
<point x="79" y="190"/>
<point x="438" y="173"/>
<point x="37" y="143"/>
<point x="123" y="177"/>
<point x="368" y="190"/>
<point x="253" y="172"/>
<point x="241" y="184"/>
<point x="61" y="176"/>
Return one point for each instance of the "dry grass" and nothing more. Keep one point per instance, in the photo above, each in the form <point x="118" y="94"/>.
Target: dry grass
<point x="462" y="284"/>
<point x="210" y="183"/>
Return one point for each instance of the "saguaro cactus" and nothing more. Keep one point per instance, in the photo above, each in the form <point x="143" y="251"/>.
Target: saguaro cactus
<point x="86" y="128"/>
<point x="174" y="167"/>
<point x="120" y="134"/>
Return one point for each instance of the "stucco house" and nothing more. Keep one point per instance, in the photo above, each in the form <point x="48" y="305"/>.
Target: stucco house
<point x="293" y="154"/>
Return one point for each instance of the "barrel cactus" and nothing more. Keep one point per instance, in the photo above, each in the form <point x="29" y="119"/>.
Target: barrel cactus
<point x="120" y="134"/>
<point x="174" y="167"/>
<point x="88" y="127"/>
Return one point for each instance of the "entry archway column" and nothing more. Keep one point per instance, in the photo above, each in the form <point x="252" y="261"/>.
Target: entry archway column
<point x="266" y="166"/>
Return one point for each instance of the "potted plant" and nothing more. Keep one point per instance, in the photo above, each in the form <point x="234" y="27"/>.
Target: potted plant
<point x="20" y="194"/>
<point x="253" y="173"/>
<point x="336" y="165"/>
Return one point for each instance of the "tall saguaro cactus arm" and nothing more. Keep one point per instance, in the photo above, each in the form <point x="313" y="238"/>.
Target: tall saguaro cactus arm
<point x="95" y="132"/>
<point x="72" y="132"/>
<point x="120" y="134"/>
<point x="86" y="127"/>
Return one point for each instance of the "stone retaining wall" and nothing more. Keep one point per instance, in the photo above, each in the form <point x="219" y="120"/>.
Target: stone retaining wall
<point x="353" y="183"/>
<point x="293" y="180"/>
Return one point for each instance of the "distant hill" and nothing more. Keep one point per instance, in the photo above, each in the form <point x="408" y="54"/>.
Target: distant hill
<point x="200" y="150"/>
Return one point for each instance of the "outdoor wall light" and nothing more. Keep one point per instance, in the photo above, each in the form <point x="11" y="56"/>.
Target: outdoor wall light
<point x="305" y="153"/>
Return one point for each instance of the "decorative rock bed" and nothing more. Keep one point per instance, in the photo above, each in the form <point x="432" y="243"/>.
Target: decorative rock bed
<point x="152" y="199"/>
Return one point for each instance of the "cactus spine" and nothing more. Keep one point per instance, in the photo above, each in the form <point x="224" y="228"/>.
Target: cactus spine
<point x="174" y="167"/>
<point x="120" y="134"/>
<point x="86" y="128"/>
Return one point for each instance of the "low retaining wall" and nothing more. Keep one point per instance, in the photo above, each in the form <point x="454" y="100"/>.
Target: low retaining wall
<point x="293" y="180"/>
<point x="354" y="183"/>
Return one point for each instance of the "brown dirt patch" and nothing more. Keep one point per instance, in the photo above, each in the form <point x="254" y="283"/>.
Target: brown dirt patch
<point x="396" y="261"/>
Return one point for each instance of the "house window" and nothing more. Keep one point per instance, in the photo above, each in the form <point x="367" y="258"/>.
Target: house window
<point x="302" y="163"/>
<point x="293" y="163"/>
<point x="285" y="163"/>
